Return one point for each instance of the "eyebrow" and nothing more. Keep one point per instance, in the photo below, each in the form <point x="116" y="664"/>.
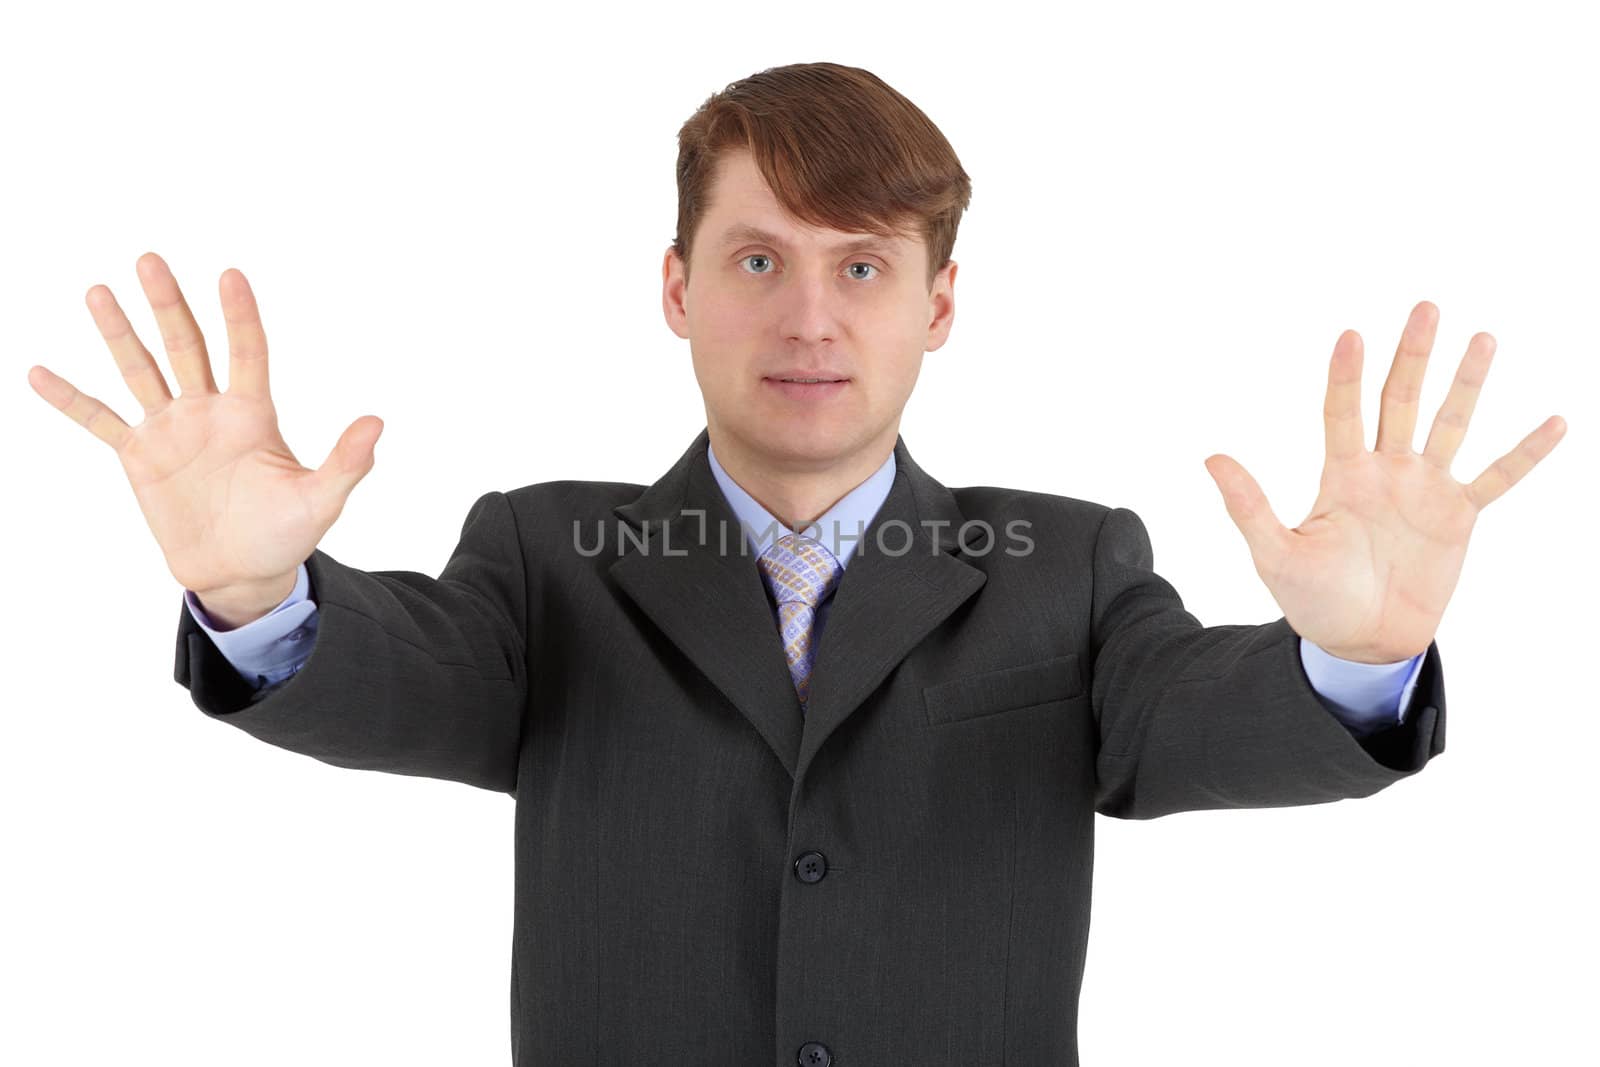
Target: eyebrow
<point x="746" y="232"/>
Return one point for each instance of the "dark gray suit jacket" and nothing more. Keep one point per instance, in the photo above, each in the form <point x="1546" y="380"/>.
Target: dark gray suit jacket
<point x="900" y="877"/>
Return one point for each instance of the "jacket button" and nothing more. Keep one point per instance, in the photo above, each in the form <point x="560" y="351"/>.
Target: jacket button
<point x="810" y="867"/>
<point x="815" y="1054"/>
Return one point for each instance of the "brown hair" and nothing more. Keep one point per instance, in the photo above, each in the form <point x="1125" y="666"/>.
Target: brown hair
<point x="840" y="150"/>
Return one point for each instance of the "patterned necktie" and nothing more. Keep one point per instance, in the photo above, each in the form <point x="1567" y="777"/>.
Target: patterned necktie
<point x="801" y="573"/>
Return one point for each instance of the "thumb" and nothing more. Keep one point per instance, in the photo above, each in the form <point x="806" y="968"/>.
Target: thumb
<point x="1247" y="507"/>
<point x="350" y="460"/>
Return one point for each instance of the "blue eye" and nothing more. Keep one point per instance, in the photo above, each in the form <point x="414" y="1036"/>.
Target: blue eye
<point x="758" y="255"/>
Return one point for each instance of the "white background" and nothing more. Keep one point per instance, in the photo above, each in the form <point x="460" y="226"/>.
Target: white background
<point x="454" y="219"/>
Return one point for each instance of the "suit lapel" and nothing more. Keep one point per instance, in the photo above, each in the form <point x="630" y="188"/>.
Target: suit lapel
<point x="687" y="567"/>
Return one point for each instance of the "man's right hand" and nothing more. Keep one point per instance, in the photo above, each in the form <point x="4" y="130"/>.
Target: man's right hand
<point x="234" y="512"/>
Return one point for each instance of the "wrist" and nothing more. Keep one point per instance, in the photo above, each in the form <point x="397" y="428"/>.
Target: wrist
<point x="232" y="606"/>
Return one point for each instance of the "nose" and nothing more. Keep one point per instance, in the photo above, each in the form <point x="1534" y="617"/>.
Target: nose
<point x="810" y="309"/>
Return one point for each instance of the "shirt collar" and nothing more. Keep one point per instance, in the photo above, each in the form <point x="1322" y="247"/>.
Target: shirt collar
<point x="838" y="529"/>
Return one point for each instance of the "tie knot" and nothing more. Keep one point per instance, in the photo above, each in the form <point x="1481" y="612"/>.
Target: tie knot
<point x="799" y="569"/>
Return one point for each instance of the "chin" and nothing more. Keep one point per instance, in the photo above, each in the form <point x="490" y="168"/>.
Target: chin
<point x="818" y="445"/>
<point x="800" y="440"/>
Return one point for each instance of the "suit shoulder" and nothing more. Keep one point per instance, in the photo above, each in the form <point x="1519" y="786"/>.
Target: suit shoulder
<point x="550" y="509"/>
<point x="991" y="503"/>
<point x="573" y="497"/>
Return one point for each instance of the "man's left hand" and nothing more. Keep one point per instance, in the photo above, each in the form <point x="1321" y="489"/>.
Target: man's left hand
<point x="1368" y="573"/>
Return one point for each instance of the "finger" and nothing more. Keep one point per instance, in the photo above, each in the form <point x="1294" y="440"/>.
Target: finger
<point x="1248" y="507"/>
<point x="1509" y="469"/>
<point x="1397" y="416"/>
<point x="247" y="341"/>
<point x="1341" y="412"/>
<point x="1450" y="425"/>
<point x="81" y="408"/>
<point x="134" y="361"/>
<point x="186" y="349"/>
<point x="353" y="455"/>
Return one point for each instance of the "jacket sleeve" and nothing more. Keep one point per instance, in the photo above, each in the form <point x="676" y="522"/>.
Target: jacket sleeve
<point x="408" y="674"/>
<point x="1195" y="717"/>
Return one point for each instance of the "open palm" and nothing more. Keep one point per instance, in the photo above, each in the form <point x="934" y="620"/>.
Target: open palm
<point x="1366" y="576"/>
<point x="227" y="501"/>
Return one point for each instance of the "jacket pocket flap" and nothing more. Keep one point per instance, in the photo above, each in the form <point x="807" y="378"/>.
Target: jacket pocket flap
<point x="1005" y="689"/>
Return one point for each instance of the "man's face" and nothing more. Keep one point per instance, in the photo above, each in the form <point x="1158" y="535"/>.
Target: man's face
<point x="808" y="303"/>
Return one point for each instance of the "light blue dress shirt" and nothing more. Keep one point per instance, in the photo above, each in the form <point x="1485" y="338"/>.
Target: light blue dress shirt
<point x="1363" y="696"/>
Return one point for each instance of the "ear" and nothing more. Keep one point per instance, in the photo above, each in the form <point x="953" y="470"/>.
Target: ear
<point x="675" y="293"/>
<point x="941" y="306"/>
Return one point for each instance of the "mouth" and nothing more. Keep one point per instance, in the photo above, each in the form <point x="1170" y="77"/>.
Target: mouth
<point x="807" y="388"/>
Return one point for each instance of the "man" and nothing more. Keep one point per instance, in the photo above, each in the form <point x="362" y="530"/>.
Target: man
<point x="805" y="746"/>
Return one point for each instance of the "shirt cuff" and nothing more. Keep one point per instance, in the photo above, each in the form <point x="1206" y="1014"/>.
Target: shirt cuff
<point x="1364" y="696"/>
<point x="272" y="647"/>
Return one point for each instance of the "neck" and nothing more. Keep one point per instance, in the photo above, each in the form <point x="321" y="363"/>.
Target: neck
<point x="798" y="491"/>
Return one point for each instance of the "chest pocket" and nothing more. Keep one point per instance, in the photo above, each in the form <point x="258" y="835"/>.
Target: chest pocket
<point x="973" y="696"/>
